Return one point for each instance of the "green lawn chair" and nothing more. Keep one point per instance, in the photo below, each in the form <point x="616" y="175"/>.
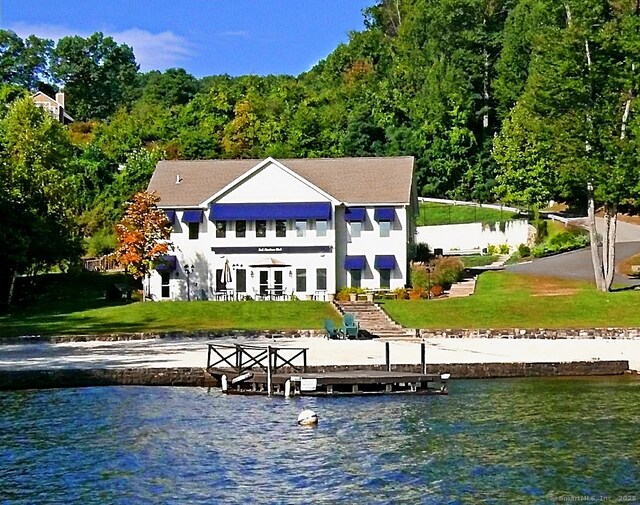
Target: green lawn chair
<point x="332" y="331"/>
<point x="350" y="327"/>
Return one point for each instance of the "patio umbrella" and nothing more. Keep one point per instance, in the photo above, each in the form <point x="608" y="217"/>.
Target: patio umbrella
<point x="226" y="274"/>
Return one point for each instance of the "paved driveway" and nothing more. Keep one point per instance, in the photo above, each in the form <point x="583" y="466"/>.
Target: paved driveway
<point x="577" y="264"/>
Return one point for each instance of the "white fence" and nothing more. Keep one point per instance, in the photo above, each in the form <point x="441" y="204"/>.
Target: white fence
<point x="472" y="238"/>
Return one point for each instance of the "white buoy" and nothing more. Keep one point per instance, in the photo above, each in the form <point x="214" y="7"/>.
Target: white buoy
<point x="287" y="388"/>
<point x="224" y="383"/>
<point x="307" y="418"/>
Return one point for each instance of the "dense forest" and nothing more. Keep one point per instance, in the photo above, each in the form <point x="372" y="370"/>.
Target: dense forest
<point x="520" y="101"/>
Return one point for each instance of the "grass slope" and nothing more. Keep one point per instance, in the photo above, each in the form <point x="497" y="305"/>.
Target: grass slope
<point x="509" y="300"/>
<point x="431" y="214"/>
<point x="75" y="304"/>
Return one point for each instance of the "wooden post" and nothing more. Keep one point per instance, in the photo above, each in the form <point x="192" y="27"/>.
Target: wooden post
<point x="304" y="358"/>
<point x="238" y="357"/>
<point x="423" y="357"/>
<point x="209" y="357"/>
<point x="388" y="356"/>
<point x="269" y="385"/>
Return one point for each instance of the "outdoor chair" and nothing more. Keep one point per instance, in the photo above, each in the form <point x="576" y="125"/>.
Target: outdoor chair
<point x="332" y="331"/>
<point x="350" y="326"/>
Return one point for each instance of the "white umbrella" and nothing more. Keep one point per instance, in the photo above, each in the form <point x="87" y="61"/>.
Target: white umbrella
<point x="226" y="274"/>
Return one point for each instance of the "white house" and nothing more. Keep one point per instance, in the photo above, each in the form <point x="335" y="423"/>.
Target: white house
<point x="54" y="106"/>
<point x="276" y="228"/>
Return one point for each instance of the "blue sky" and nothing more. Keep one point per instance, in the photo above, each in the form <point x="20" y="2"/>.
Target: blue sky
<point x="205" y="37"/>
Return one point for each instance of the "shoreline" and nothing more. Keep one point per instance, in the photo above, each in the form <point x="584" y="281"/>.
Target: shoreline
<point x="176" y="360"/>
<point x="19" y="380"/>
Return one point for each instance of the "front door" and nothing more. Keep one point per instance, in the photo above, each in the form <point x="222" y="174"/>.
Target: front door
<point x="264" y="282"/>
<point x="277" y="282"/>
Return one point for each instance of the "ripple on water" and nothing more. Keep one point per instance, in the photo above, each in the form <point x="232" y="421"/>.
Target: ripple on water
<point x="505" y="441"/>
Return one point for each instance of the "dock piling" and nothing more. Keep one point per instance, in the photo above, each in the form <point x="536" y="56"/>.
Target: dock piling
<point x="423" y="357"/>
<point x="388" y="356"/>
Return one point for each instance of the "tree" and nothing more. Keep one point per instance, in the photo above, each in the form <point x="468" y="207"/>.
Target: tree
<point x="582" y="89"/>
<point x="97" y="73"/>
<point x="36" y="207"/>
<point x="23" y="62"/>
<point x="143" y="235"/>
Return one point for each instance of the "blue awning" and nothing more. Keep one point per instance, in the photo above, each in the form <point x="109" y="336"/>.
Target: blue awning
<point x="272" y="211"/>
<point x="192" y="216"/>
<point x="384" y="214"/>
<point x="385" y="262"/>
<point x="354" y="262"/>
<point x="355" y="214"/>
<point x="171" y="216"/>
<point x="167" y="264"/>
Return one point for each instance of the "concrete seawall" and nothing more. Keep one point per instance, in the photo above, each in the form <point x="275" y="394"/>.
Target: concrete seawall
<point x="197" y="377"/>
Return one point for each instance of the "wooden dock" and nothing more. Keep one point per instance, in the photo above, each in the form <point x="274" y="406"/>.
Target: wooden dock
<point x="269" y="370"/>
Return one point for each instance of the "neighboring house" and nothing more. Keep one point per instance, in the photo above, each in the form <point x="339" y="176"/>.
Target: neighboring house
<point x="55" y="107"/>
<point x="271" y="227"/>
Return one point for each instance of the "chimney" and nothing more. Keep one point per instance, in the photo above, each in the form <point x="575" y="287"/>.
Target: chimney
<point x="60" y="99"/>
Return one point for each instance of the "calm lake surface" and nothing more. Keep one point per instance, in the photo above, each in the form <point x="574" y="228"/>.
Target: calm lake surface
<point x="499" y="441"/>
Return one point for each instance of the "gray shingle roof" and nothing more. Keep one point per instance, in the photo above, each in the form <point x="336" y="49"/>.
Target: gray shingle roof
<point x="348" y="180"/>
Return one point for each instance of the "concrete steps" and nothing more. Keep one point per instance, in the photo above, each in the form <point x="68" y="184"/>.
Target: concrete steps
<point x="373" y="319"/>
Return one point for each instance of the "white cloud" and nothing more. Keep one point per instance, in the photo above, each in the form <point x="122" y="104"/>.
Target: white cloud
<point x="154" y="51"/>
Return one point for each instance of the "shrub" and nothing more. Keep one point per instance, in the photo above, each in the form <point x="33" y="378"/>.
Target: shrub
<point x="416" y="293"/>
<point x="423" y="253"/>
<point x="343" y="294"/>
<point x="542" y="230"/>
<point x="504" y="248"/>
<point x="562" y="242"/>
<point x="400" y="293"/>
<point x="492" y="250"/>
<point x="524" y="251"/>
<point x="418" y="276"/>
<point x="446" y="270"/>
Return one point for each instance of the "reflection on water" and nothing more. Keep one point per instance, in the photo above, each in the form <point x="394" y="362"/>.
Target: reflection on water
<point x="501" y="441"/>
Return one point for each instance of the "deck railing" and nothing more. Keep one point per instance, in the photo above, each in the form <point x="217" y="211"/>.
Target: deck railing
<point x="245" y="357"/>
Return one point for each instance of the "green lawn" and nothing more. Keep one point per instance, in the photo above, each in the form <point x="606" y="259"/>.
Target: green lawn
<point x="502" y="300"/>
<point x="75" y="304"/>
<point x="431" y="214"/>
<point x="508" y="300"/>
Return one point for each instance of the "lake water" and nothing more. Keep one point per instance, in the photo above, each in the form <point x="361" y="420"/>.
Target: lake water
<point x="499" y="441"/>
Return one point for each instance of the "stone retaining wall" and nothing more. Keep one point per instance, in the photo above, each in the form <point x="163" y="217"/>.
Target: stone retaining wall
<point x="176" y="335"/>
<point x="71" y="378"/>
<point x="540" y="333"/>
<point x="45" y="379"/>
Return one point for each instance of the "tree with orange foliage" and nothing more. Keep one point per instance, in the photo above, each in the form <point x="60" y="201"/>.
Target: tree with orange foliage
<point x="143" y="235"/>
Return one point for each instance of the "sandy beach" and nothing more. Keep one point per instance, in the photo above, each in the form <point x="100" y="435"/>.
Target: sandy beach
<point x="193" y="353"/>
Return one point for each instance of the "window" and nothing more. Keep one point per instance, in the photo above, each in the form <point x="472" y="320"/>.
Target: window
<point x="241" y="280"/>
<point x="321" y="279"/>
<point x="301" y="228"/>
<point x="194" y="229"/>
<point x="261" y="228"/>
<point x="301" y="280"/>
<point x="321" y="228"/>
<point x="356" y="228"/>
<point x="241" y="229"/>
<point x="385" y="279"/>
<point x="164" y="283"/>
<point x="356" y="278"/>
<point x="385" y="228"/>
<point x="221" y="229"/>
<point x="281" y="228"/>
